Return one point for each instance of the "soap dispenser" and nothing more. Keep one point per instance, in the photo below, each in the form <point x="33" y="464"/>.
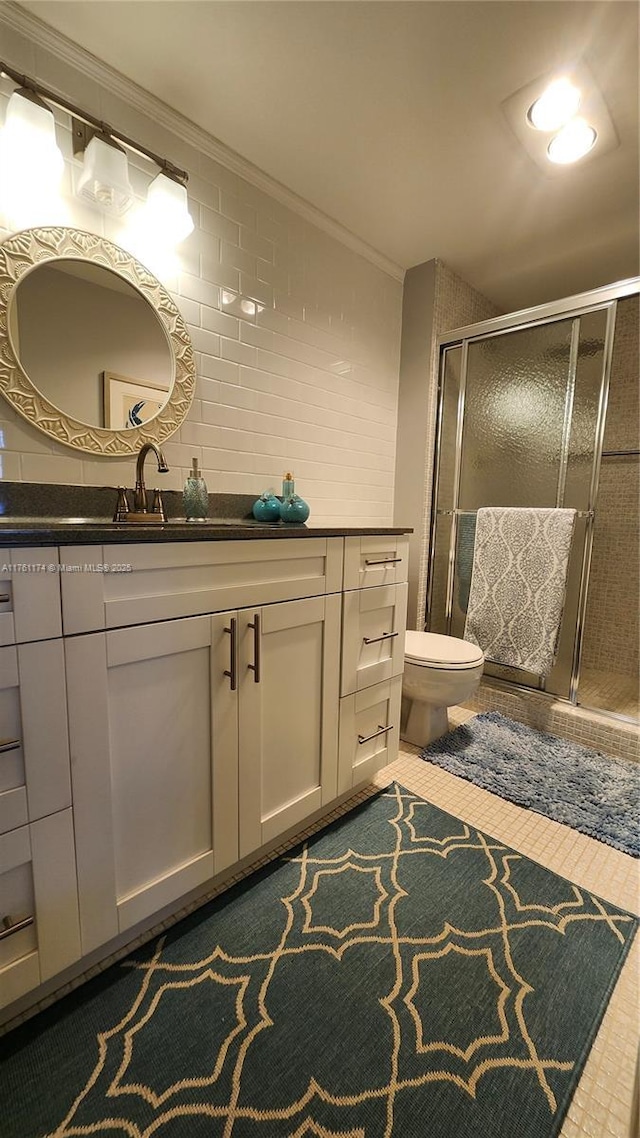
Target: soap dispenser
<point x="195" y="496"/>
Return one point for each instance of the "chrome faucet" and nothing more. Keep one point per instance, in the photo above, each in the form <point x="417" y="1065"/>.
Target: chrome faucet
<point x="141" y="512"/>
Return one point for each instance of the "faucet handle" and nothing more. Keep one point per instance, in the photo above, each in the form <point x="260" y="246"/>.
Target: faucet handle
<point x="158" y="504"/>
<point x="122" y="506"/>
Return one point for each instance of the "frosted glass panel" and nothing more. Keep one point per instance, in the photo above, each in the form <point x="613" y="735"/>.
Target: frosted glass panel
<point x="514" y="416"/>
<point x="586" y="399"/>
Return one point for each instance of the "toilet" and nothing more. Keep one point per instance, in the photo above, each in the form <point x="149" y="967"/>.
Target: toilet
<point x="439" y="671"/>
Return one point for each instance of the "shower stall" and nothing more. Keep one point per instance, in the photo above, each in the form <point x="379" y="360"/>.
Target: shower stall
<point x="540" y="408"/>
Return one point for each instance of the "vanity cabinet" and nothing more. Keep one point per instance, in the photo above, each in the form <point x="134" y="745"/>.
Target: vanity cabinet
<point x="171" y="709"/>
<point x="195" y="741"/>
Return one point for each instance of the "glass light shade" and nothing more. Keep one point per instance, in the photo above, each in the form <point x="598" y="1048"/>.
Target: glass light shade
<point x="557" y="104"/>
<point x="575" y="140"/>
<point x="31" y="164"/>
<point x="105" y="175"/>
<point x="166" y="213"/>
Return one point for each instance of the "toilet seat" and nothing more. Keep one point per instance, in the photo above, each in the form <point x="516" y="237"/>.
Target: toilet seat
<point x="447" y="653"/>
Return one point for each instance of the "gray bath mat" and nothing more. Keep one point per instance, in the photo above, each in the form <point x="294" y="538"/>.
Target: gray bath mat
<point x="593" y="793"/>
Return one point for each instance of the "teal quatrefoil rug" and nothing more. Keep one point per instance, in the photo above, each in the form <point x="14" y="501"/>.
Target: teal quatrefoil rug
<point x="401" y="975"/>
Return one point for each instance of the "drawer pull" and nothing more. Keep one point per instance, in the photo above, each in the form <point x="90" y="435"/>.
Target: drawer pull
<point x="4" y="598"/>
<point x="9" y="745"/>
<point x="255" y="667"/>
<point x="232" y="670"/>
<point x="380" y="731"/>
<point x="376" y="639"/>
<point x="383" y="561"/>
<point x="10" y="927"/>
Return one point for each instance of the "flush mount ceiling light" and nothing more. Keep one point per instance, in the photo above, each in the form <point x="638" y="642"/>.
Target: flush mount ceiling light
<point x="105" y="175"/>
<point x="31" y="163"/>
<point x="571" y="143"/>
<point x="557" y="104"/>
<point x="543" y="117"/>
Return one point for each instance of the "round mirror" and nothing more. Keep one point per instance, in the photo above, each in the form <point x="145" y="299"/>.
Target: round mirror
<point x="93" y="350"/>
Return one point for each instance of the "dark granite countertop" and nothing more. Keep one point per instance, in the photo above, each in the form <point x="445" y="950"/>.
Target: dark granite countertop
<point x="94" y="531"/>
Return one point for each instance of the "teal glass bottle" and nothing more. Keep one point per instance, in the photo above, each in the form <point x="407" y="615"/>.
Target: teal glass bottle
<point x="267" y="508"/>
<point x="293" y="508"/>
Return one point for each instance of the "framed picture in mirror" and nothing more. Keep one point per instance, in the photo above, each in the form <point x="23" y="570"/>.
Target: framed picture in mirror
<point x="128" y="403"/>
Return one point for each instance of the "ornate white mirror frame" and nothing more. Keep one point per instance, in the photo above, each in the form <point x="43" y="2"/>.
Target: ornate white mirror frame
<point x="19" y="254"/>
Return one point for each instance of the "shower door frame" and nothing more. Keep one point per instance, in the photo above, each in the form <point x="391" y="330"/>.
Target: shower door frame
<point x="569" y="307"/>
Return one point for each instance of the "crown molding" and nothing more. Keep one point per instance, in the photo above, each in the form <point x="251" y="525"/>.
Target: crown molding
<point x="15" y="17"/>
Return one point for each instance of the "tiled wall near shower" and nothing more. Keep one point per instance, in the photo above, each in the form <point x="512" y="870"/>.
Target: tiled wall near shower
<point x="297" y="336"/>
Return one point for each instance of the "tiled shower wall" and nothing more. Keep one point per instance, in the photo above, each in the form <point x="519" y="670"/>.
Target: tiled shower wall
<point x="297" y="336"/>
<point x="611" y="625"/>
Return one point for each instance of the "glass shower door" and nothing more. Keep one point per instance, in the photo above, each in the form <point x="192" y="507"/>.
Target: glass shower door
<point x="520" y="416"/>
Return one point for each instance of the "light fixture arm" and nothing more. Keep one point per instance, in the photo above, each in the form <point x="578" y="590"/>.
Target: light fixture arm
<point x="86" y="125"/>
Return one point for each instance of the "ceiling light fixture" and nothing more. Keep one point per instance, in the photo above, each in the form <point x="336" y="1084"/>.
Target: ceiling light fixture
<point x="561" y="119"/>
<point x="557" y="104"/>
<point x="575" y="140"/>
<point x="104" y="180"/>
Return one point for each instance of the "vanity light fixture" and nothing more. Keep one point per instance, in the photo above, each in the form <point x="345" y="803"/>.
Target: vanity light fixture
<point x="104" y="180"/>
<point x="31" y="164"/>
<point x="105" y="175"/>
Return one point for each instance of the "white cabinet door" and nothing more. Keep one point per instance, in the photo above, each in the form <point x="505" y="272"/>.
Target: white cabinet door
<point x="289" y="658"/>
<point x="154" y="767"/>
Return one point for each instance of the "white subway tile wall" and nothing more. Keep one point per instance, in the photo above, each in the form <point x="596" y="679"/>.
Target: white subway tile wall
<point x="296" y="336"/>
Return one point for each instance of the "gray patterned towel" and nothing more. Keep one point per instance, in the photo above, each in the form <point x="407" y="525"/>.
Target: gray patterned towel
<point x="518" y="585"/>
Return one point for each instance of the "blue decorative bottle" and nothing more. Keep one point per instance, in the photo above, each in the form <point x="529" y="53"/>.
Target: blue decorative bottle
<point x="293" y="509"/>
<point x="195" y="496"/>
<point x="267" y="508"/>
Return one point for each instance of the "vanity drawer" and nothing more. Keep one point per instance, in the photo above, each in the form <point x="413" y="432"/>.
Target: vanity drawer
<point x="377" y="560"/>
<point x="369" y="732"/>
<point x="147" y="582"/>
<point x="29" y="595"/>
<point x="373" y="628"/>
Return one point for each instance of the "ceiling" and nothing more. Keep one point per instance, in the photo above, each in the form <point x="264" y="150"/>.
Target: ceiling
<point x="386" y="115"/>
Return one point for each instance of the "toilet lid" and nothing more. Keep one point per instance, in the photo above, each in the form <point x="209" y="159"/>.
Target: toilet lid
<point x="431" y="650"/>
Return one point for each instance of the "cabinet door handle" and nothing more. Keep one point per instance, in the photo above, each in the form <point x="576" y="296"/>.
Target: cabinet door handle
<point x="383" y="561"/>
<point x="255" y="667"/>
<point x="232" y="670"/>
<point x="10" y="927"/>
<point x="4" y="598"/>
<point x="375" y="639"/>
<point x="9" y="745"/>
<point x="380" y="731"/>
